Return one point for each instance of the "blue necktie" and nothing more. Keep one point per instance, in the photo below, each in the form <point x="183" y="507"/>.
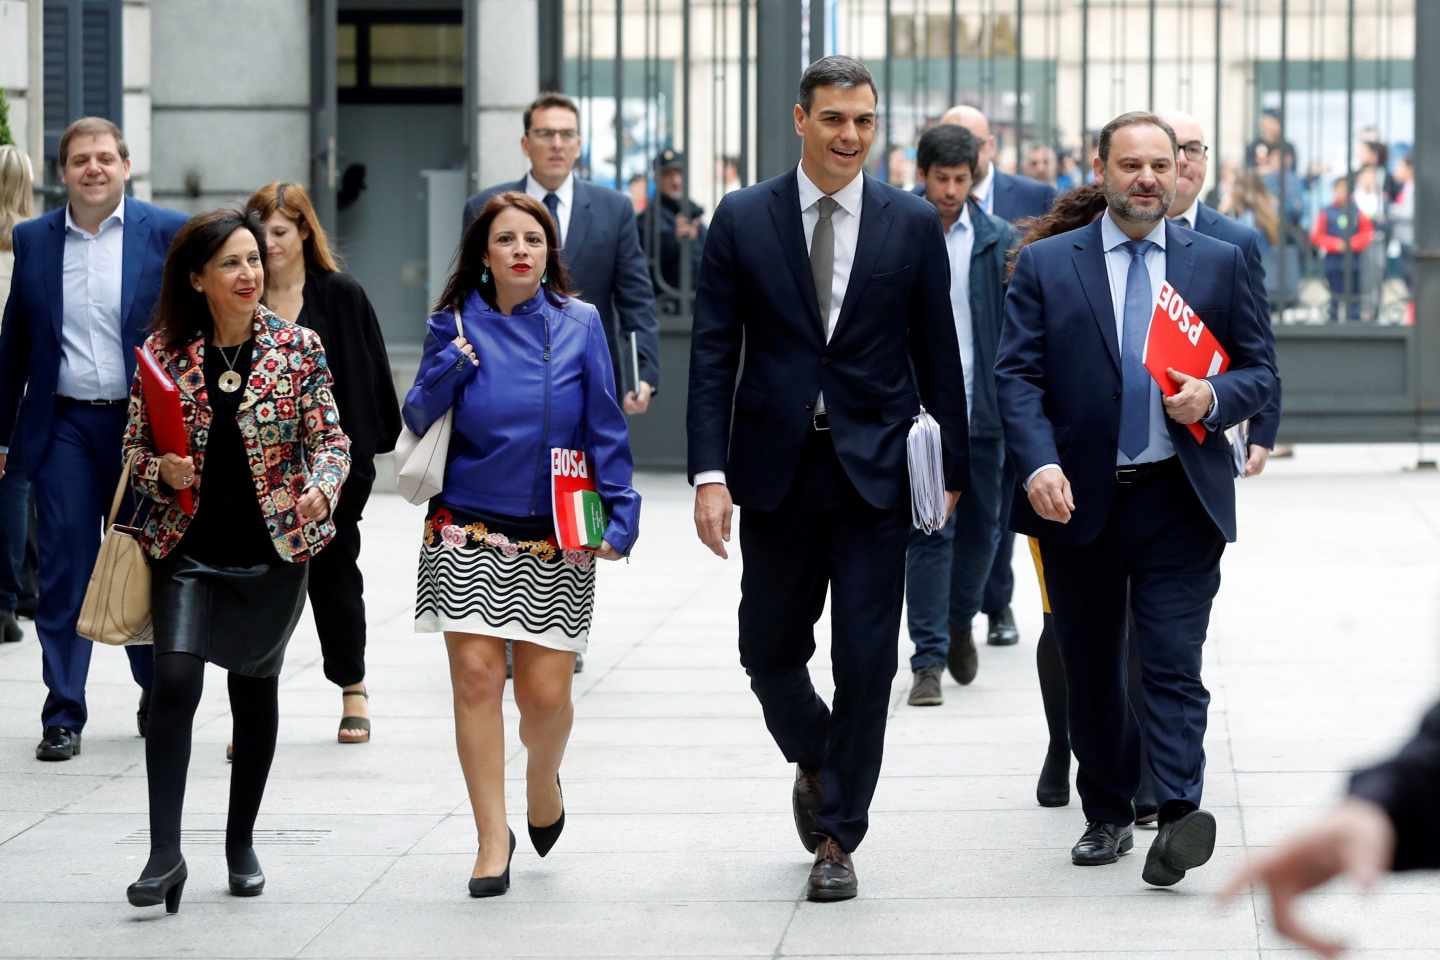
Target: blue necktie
<point x="1135" y="400"/>
<point x="552" y="203"/>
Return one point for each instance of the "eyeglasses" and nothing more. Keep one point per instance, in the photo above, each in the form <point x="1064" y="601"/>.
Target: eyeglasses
<point x="1195" y="150"/>
<point x="569" y="135"/>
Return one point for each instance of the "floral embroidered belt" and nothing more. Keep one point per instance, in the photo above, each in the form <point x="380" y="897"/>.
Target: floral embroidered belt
<point x="453" y="529"/>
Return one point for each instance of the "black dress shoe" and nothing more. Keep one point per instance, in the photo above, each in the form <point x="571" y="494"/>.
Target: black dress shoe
<point x="805" y="803"/>
<point x="1180" y="845"/>
<point x="962" y="658"/>
<point x="10" y="631"/>
<point x="1102" y="843"/>
<point x="494" y="886"/>
<point x="166" y="888"/>
<point x="249" y="879"/>
<point x="1146" y="814"/>
<point x="1053" y="790"/>
<point x="142" y="715"/>
<point x="543" y="838"/>
<point x="833" y="875"/>
<point x="58" y="744"/>
<point x="1002" y="629"/>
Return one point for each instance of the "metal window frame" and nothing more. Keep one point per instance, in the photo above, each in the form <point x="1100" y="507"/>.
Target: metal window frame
<point x="366" y="93"/>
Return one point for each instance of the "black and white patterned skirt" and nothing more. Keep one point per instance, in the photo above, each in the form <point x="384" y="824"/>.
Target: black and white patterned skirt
<point x="502" y="578"/>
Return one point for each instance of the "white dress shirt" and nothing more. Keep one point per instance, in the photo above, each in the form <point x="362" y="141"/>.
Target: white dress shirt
<point x="845" y="227"/>
<point x="960" y="243"/>
<point x="565" y="192"/>
<point x="92" y="353"/>
<point x="984" y="191"/>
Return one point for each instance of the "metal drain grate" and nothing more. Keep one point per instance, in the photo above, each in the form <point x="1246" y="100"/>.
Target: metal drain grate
<point x="216" y="838"/>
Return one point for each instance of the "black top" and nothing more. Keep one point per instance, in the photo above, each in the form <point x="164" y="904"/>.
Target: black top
<point x="336" y="308"/>
<point x="228" y="529"/>
<point x="1407" y="787"/>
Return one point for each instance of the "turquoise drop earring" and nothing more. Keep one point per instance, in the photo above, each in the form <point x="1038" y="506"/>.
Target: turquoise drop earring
<point x="485" y="277"/>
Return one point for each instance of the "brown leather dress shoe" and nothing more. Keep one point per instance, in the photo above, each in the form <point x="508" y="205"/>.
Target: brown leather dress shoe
<point x="805" y="802"/>
<point x="833" y="875"/>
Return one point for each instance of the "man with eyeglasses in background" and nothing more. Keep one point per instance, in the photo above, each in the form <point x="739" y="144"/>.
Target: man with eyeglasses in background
<point x="600" y="246"/>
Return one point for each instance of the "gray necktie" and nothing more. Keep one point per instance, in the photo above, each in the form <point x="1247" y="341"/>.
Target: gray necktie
<point x="822" y="258"/>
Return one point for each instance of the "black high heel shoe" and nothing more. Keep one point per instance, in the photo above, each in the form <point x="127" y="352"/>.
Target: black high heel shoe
<point x="494" y="886"/>
<point x="247" y="884"/>
<point x="166" y="888"/>
<point x="543" y="838"/>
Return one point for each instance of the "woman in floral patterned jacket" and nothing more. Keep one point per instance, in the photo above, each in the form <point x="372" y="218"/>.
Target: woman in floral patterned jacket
<point x="266" y="462"/>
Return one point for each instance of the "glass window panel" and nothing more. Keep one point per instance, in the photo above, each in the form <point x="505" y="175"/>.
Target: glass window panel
<point x="346" y="68"/>
<point x="417" y="55"/>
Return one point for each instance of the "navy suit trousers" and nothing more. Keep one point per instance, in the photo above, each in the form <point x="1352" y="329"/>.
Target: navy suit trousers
<point x="73" y="485"/>
<point x="825" y="536"/>
<point x="1159" y="542"/>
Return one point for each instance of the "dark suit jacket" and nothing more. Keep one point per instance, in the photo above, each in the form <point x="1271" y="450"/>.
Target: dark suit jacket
<point x="608" y="268"/>
<point x="1265" y="424"/>
<point x="1015" y="197"/>
<point x="30" y="347"/>
<point x="756" y="291"/>
<point x="1058" y="374"/>
<point x="989" y="266"/>
<point x="1406" y="786"/>
<point x="336" y="308"/>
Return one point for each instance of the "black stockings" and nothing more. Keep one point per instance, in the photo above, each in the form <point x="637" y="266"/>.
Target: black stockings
<point x="179" y="679"/>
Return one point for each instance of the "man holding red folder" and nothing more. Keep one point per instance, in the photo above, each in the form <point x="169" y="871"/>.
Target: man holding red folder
<point x="1129" y="509"/>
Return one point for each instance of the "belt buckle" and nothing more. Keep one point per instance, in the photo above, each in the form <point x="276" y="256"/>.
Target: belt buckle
<point x="820" y="422"/>
<point x="1127" y="476"/>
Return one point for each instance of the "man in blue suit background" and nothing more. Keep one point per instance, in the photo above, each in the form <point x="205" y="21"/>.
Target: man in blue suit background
<point x="85" y="284"/>
<point x="600" y="244"/>
<point x="1191" y="161"/>
<point x="1011" y="198"/>
<point x="832" y="291"/>
<point x="1124" y="502"/>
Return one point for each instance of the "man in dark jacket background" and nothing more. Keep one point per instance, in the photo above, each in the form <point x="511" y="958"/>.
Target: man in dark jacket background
<point x="945" y="572"/>
<point x="670" y="228"/>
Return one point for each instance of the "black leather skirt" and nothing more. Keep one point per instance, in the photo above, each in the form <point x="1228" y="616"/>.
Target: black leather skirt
<point x="239" y="618"/>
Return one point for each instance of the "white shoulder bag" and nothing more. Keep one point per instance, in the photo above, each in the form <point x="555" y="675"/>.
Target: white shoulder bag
<point x="420" y="461"/>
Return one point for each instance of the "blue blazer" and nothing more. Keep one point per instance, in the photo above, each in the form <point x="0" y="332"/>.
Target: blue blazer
<point x="30" y="347"/>
<point x="1015" y="197"/>
<point x="608" y="269"/>
<point x="1058" y="373"/>
<point x="892" y="348"/>
<point x="1265" y="424"/>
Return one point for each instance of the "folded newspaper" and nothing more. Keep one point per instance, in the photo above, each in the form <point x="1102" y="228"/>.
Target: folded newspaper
<point x="927" y="474"/>
<point x="1239" y="438"/>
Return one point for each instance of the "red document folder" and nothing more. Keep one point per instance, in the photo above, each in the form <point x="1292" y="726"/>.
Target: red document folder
<point x="167" y="426"/>
<point x="1180" y="340"/>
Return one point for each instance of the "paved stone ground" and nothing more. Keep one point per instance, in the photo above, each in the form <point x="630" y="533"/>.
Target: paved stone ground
<point x="1322" y="653"/>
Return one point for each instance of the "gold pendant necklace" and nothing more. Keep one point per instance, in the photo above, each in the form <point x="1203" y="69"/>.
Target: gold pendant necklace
<point x="229" y="381"/>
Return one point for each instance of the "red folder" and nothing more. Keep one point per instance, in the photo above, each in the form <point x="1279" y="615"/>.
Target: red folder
<point x="167" y="426"/>
<point x="1180" y="340"/>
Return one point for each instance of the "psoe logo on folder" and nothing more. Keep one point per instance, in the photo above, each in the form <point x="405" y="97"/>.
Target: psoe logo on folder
<point x="1171" y="304"/>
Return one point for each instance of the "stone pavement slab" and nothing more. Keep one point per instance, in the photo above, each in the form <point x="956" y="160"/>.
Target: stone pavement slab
<point x="679" y="842"/>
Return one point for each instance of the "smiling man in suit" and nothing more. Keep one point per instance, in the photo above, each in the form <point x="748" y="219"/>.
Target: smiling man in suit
<point x="1122" y="499"/>
<point x="600" y="245"/>
<point x="835" y="289"/>
<point x="86" y="279"/>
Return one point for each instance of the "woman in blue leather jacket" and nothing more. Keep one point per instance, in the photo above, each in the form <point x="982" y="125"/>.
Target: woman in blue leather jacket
<point x="527" y="370"/>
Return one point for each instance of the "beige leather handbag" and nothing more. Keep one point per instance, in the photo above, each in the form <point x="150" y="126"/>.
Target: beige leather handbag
<point x="117" y="601"/>
<point x="420" y="461"/>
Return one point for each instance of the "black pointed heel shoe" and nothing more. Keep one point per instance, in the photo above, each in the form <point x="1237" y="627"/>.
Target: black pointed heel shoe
<point x="494" y="886"/>
<point x="250" y="884"/>
<point x="543" y="838"/>
<point x="166" y="888"/>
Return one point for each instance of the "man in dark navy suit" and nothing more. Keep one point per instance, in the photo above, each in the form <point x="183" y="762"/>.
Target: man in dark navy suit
<point x="600" y="245"/>
<point x="1124" y="502"/>
<point x="1191" y="162"/>
<point x="1011" y="198"/>
<point x="834" y="290"/>
<point x="85" y="284"/>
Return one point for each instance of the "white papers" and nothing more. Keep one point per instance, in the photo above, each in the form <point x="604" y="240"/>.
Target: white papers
<point x="1239" y="438"/>
<point x="927" y="474"/>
